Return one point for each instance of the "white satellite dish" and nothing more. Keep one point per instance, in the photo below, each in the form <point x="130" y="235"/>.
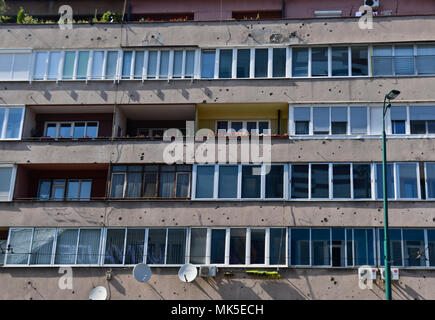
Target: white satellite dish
<point x="141" y="272"/>
<point x="187" y="273"/>
<point x="98" y="293"/>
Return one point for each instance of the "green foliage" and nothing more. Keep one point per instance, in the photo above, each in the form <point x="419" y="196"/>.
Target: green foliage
<point x="110" y="16"/>
<point x="267" y="274"/>
<point x="3" y="7"/>
<point x="4" y="19"/>
<point x="20" y="15"/>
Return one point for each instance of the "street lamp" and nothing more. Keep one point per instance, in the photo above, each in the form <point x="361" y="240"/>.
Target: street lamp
<point x="389" y="96"/>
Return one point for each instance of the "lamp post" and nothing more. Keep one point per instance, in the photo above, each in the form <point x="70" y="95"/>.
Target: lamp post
<point x="389" y="96"/>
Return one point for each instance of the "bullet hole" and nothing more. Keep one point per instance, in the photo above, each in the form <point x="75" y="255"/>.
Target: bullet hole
<point x="101" y="217"/>
<point x="323" y="142"/>
<point x="211" y="221"/>
<point x="173" y="219"/>
<point x="326" y="219"/>
<point x="217" y="38"/>
<point x="204" y="101"/>
<point x="66" y="37"/>
<point x="73" y="292"/>
<point x="330" y="30"/>
<point x="220" y="90"/>
<point x="99" y="38"/>
<point x="152" y="37"/>
<point x="29" y="283"/>
<point x="92" y="39"/>
<point x="120" y="218"/>
<point x="262" y="220"/>
<point x="286" y="23"/>
<point x="227" y="90"/>
<point x="433" y="220"/>
<point x="339" y="91"/>
<point x="335" y="282"/>
<point x="249" y="35"/>
<point x="354" y="212"/>
<point x="163" y="220"/>
<point x="299" y="157"/>
<point x="308" y="35"/>
<point x="330" y="90"/>
<point x="332" y="278"/>
<point x="228" y="218"/>
<point x="270" y="94"/>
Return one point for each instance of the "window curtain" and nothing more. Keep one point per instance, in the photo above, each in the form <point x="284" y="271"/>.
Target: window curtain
<point x="156" y="246"/>
<point x="19" y="242"/>
<point x="14" y="123"/>
<point x="97" y="65"/>
<point x="42" y="246"/>
<point x="166" y="187"/>
<point x="135" y="246"/>
<point x="198" y="241"/>
<point x="183" y="182"/>
<point x="176" y="246"/>
<point x="89" y="246"/>
<point x="117" y="189"/>
<point x="114" y="253"/>
<point x="134" y="184"/>
<point x="66" y="246"/>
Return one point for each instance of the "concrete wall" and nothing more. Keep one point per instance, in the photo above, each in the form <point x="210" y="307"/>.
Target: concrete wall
<point x="295" y="284"/>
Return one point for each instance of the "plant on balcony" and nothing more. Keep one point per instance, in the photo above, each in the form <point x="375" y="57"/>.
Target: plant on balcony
<point x="110" y="16"/>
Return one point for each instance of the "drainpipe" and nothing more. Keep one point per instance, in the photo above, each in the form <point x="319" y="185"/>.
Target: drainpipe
<point x="279" y="121"/>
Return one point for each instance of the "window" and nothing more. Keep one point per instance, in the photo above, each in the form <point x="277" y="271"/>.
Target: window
<point x="261" y="62"/>
<point x="88" y="252"/>
<point x="68" y="65"/>
<point x="422" y="120"/>
<point x="164" y="64"/>
<point x="414" y="247"/>
<point x="258" y="246"/>
<point x="299" y="181"/>
<point x="302" y="120"/>
<point x="380" y="181"/>
<point x="176" y="246"/>
<point x="139" y="57"/>
<point x="404" y="60"/>
<point x="198" y="245"/>
<point x="82" y="64"/>
<point x="71" y="129"/>
<point x="319" y="62"/>
<point x="430" y="180"/>
<point x="395" y="236"/>
<point x="207" y="64"/>
<point x="407" y="180"/>
<point x="341" y="181"/>
<point x="205" y="181"/>
<point x="358" y="120"/>
<point x="425" y="59"/>
<point x="40" y="67"/>
<point x="362" y="181"/>
<point x="300" y="247"/>
<point x="256" y="126"/>
<point x="225" y="63"/>
<point x="359" y="61"/>
<point x="7" y="181"/>
<point x="55" y="189"/>
<point x="275" y="182"/>
<point x="363" y="247"/>
<point x="111" y="64"/>
<point x="279" y="62"/>
<point x="340" y="61"/>
<point x="338" y="250"/>
<point x="42" y="246"/>
<point x="431" y="246"/>
<point x="339" y="120"/>
<point x="243" y="63"/>
<point x="14" y="66"/>
<point x="134" y="253"/>
<point x="320" y="181"/>
<point x="382" y="61"/>
<point x="237" y="246"/>
<point x="300" y="62"/>
<point x="126" y="64"/>
<point x="398" y="120"/>
<point x="66" y="246"/>
<point x="19" y="242"/>
<point x="228" y="177"/>
<point x="321" y="120"/>
<point x="217" y="250"/>
<point x="277" y="246"/>
<point x="156" y="246"/>
<point x="150" y="181"/>
<point x="320" y="247"/>
<point x="11" y="123"/>
<point x="251" y="181"/>
<point x="97" y="64"/>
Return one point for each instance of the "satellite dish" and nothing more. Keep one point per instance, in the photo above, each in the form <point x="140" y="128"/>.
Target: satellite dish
<point x="187" y="273"/>
<point x="98" y="293"/>
<point x="141" y="272"/>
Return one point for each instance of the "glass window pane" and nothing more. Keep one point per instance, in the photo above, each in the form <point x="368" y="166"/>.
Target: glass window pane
<point x="341" y="181"/>
<point x="362" y="181"/>
<point x="217" y="250"/>
<point x="407" y="180"/>
<point x="395" y="236"/>
<point x="243" y="63"/>
<point x="300" y="62"/>
<point x="138" y="64"/>
<point x="13" y="126"/>
<point x="279" y="62"/>
<point x="418" y="127"/>
<point x="358" y="120"/>
<point x="42" y="246"/>
<point x="176" y="246"/>
<point x="228" y="181"/>
<point x="5" y="183"/>
<point x="425" y="59"/>
<point x="277" y="246"/>
<point x="40" y="65"/>
<point x="19" y="242"/>
<point x="65" y="130"/>
<point x="73" y="190"/>
<point x="430" y="180"/>
<point x="380" y="183"/>
<point x="2" y="120"/>
<point x="91" y="130"/>
<point x="319" y="181"/>
<point x="339" y="120"/>
<point x="363" y="247"/>
<point x="85" y="190"/>
<point x="302" y="114"/>
<point x="21" y="66"/>
<point x="89" y="246"/>
<point x="299" y="181"/>
<point x="164" y="64"/>
<point x="152" y="64"/>
<point x="79" y="130"/>
<point x="237" y="245"/>
<point x="349" y="247"/>
<point x="68" y="65"/>
<point x="382" y="61"/>
<point x="340" y="61"/>
<point x="135" y="246"/>
<point x="404" y="60"/>
<point x="414" y="248"/>
<point x="422" y="113"/>
<point x="236" y="126"/>
<point x="319" y="62"/>
<point x="261" y="61"/>
<point x="300" y="247"/>
<point x="207" y="64"/>
<point x="44" y="190"/>
<point x="225" y="63"/>
<point x="198" y="241"/>
<point x="320" y="246"/>
<point x="359" y="61"/>
<point x="183" y="185"/>
<point x="82" y="64"/>
<point x="251" y="181"/>
<point x="263" y="127"/>
<point x="156" y="246"/>
<point x="126" y="64"/>
<point x="338" y="249"/>
<point x="58" y="190"/>
<point x="114" y="246"/>
<point x="167" y="185"/>
<point x="190" y="64"/>
<point x="6" y="65"/>
<point x="97" y="65"/>
<point x="258" y="246"/>
<point x="178" y="64"/>
<point x="66" y="246"/>
<point x="150" y="185"/>
<point x="431" y="245"/>
<point x="275" y="182"/>
<point x="111" y="64"/>
<point x="204" y="181"/>
<point x="134" y="184"/>
<point x="117" y="187"/>
<point x="321" y="120"/>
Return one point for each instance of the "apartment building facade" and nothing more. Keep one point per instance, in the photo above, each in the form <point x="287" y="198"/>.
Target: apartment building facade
<point x="85" y="187"/>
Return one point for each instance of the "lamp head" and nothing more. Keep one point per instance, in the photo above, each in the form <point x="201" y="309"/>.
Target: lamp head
<point x="392" y="94"/>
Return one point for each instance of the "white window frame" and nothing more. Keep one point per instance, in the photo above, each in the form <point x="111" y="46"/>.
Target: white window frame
<point x="73" y="123"/>
<point x="12" y="182"/>
<point x="244" y="125"/>
<point x="6" y="120"/>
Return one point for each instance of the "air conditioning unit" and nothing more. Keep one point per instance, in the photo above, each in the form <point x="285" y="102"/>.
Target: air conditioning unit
<point x="394" y="273"/>
<point x="367" y="273"/>
<point x="372" y="3"/>
<point x="207" y="271"/>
